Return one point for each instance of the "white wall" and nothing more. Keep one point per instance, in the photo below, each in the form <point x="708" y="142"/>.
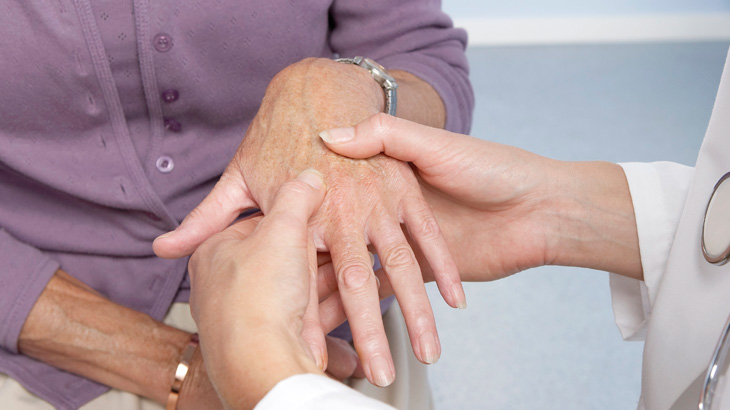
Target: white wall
<point x="535" y="22"/>
<point x="565" y="8"/>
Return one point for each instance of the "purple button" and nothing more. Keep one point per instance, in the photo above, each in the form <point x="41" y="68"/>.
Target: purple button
<point x="170" y="96"/>
<point x="165" y="164"/>
<point x="172" y="125"/>
<point x="162" y="42"/>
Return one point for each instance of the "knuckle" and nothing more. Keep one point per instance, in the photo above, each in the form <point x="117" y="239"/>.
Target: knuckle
<point x="423" y="318"/>
<point x="368" y="339"/>
<point x="226" y="193"/>
<point x="198" y="214"/>
<point x="399" y="257"/>
<point x="312" y="326"/>
<point x="355" y="276"/>
<point x="428" y="228"/>
<point x="382" y="122"/>
<point x="338" y="197"/>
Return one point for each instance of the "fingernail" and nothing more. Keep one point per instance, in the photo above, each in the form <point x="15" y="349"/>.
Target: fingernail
<point x="311" y="177"/>
<point x="372" y="259"/>
<point x="377" y="281"/>
<point x="165" y="235"/>
<point x="337" y="135"/>
<point x="322" y="359"/>
<point x="457" y="292"/>
<point x="318" y="360"/>
<point x="380" y="371"/>
<point x="429" y="348"/>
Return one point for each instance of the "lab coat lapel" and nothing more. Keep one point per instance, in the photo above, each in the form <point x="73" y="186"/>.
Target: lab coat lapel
<point x="693" y="301"/>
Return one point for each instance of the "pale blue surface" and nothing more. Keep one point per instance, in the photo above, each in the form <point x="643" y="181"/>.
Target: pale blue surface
<point x="570" y="8"/>
<point x="545" y="339"/>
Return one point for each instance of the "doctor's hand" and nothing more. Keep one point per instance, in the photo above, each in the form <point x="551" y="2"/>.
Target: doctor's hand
<point x="502" y="209"/>
<point x="367" y="203"/>
<point x="253" y="298"/>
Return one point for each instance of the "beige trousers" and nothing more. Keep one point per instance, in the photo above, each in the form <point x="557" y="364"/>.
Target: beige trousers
<point x="410" y="391"/>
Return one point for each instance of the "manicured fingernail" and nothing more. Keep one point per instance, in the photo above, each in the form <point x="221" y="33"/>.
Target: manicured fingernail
<point x="372" y="259"/>
<point x="429" y="348"/>
<point x="311" y="177"/>
<point x="457" y="292"/>
<point x="337" y="135"/>
<point x="380" y="371"/>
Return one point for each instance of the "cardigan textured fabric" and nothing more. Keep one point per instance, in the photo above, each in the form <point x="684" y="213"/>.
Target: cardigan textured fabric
<point x="118" y="117"/>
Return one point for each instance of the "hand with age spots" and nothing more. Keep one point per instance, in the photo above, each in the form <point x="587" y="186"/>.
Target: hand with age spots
<point x="367" y="203"/>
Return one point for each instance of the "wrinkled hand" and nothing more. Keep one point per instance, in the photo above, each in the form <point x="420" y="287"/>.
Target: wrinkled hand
<point x="366" y="204"/>
<point x="489" y="199"/>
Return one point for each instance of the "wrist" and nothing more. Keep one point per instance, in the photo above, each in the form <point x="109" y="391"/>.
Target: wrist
<point x="274" y="338"/>
<point x="327" y="82"/>
<point x="381" y="76"/>
<point x="257" y="358"/>
<point x="75" y="329"/>
<point x="182" y="374"/>
<point x="595" y="216"/>
<point x="564" y="214"/>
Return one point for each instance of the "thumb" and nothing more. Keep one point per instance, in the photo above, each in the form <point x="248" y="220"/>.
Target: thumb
<point x="407" y="141"/>
<point x="297" y="200"/>
<point x="294" y="253"/>
<point x="220" y="208"/>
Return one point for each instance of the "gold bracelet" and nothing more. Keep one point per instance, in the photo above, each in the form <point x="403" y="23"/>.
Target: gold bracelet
<point x="181" y="371"/>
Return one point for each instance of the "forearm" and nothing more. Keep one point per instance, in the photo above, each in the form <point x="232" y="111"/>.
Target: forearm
<point x="75" y="329"/>
<point x="594" y="219"/>
<point x="418" y="101"/>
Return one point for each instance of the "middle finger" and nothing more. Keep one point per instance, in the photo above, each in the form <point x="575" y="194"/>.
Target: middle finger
<point x="406" y="280"/>
<point x="359" y="293"/>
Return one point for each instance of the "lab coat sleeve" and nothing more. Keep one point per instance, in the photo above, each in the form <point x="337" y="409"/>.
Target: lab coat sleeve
<point x="316" y="392"/>
<point x="658" y="192"/>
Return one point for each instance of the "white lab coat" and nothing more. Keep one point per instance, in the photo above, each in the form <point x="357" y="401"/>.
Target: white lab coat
<point x="681" y="307"/>
<point x="684" y="302"/>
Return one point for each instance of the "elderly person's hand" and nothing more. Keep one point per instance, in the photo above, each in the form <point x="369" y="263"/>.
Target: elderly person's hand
<point x="253" y="299"/>
<point x="116" y="346"/>
<point x="366" y="204"/>
<point x="503" y="209"/>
